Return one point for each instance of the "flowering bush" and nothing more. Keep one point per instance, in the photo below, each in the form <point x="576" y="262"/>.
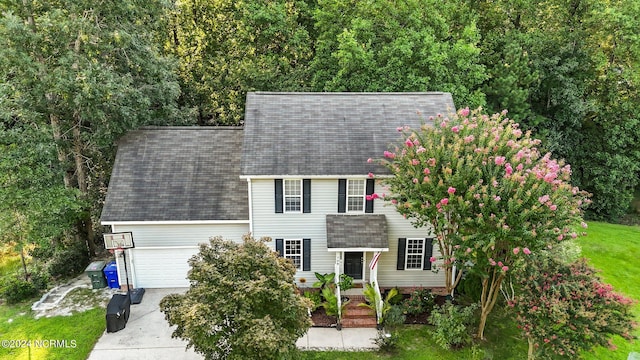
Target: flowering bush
<point x="420" y="301"/>
<point x="491" y="197"/>
<point x="562" y="309"/>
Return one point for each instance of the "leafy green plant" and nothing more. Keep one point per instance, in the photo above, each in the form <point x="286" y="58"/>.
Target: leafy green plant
<point x="346" y="282"/>
<point x="330" y="303"/>
<point x="394" y="317"/>
<point x="387" y="342"/>
<point x="452" y="324"/>
<point x="372" y="298"/>
<point x="420" y="301"/>
<point x="16" y="289"/>
<point x="315" y="298"/>
<point x="324" y="280"/>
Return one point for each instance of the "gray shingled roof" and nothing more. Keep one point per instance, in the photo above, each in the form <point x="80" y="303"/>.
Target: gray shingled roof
<point x="177" y="173"/>
<point x="329" y="133"/>
<point x="357" y="231"/>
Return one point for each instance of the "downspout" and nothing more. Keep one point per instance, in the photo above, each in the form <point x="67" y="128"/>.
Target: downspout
<point x="250" y="206"/>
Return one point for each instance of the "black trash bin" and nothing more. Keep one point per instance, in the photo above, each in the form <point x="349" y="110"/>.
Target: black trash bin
<point x="118" y="312"/>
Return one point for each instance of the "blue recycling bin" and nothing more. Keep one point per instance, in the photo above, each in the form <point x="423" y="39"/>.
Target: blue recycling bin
<point x="111" y="273"/>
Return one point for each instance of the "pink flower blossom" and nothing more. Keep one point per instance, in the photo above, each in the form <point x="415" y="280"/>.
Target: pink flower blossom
<point x="409" y="143"/>
<point x="500" y="263"/>
<point x="560" y="237"/>
<point x="369" y="197"/>
<point x="443" y="124"/>
<point x="394" y="201"/>
<point x="468" y="139"/>
<point x="420" y="150"/>
<point x="516" y="251"/>
<point x="415" y="181"/>
<point x="426" y="171"/>
<point x="508" y="169"/>
<point x="415" y="162"/>
<point x="416" y="142"/>
<point x="500" y="160"/>
<point x="431" y="162"/>
<point x="425" y="179"/>
<point x="496" y="198"/>
<point x="468" y="250"/>
<point x="451" y="190"/>
<point x="444" y="201"/>
<point x="369" y="160"/>
<point x="464" y="112"/>
<point x="526" y="251"/>
<point x="543" y="199"/>
<point x="492" y="262"/>
<point x="399" y="128"/>
<point x="370" y="175"/>
<point x="432" y="259"/>
<point x="550" y="177"/>
<point x="519" y="167"/>
<point x="505" y="268"/>
<point x="553" y="207"/>
<point x="389" y="155"/>
<point x="455" y="129"/>
<point x="517" y="132"/>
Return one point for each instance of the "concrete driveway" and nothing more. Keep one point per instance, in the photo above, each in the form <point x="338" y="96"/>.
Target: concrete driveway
<point x="147" y="336"/>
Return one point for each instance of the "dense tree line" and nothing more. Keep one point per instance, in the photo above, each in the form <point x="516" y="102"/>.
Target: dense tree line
<point x="76" y="75"/>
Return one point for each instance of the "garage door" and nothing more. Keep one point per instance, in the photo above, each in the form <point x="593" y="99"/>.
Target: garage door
<point x="162" y="268"/>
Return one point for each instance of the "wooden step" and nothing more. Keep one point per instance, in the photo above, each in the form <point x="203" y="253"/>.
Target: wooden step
<point x="359" y="322"/>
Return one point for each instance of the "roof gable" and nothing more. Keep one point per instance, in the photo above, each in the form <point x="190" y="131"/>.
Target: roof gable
<point x="177" y="174"/>
<point x="329" y="133"/>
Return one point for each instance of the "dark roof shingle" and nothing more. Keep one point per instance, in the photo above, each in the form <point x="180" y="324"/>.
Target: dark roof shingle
<point x="329" y="133"/>
<point x="177" y="174"/>
<point x="357" y="231"/>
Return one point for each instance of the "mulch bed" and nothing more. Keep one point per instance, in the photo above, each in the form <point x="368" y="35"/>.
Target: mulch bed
<point x="321" y="319"/>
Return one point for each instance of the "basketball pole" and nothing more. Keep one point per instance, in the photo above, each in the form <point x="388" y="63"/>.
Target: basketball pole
<point x="126" y="273"/>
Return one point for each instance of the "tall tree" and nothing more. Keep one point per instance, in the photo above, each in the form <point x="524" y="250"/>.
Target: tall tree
<point x="491" y="197"/>
<point x="86" y="72"/>
<point x="227" y="48"/>
<point x="398" y="46"/>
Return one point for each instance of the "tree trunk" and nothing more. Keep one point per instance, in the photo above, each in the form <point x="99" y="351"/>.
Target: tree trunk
<point x="24" y="264"/>
<point x="86" y="224"/>
<point x="490" y="293"/>
<point x="530" y="353"/>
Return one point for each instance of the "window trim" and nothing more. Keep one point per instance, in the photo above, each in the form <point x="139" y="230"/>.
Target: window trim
<point x="288" y="256"/>
<point x="284" y="196"/>
<point x="363" y="196"/>
<point x="421" y="254"/>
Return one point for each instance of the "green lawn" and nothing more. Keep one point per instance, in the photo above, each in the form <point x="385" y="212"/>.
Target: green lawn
<point x="615" y="249"/>
<point x="81" y="331"/>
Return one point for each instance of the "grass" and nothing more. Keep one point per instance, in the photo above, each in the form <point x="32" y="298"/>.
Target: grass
<point x="81" y="331"/>
<point x="614" y="249"/>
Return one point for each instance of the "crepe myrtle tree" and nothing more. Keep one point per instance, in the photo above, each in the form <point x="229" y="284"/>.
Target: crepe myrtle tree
<point x="490" y="195"/>
<point x="242" y="303"/>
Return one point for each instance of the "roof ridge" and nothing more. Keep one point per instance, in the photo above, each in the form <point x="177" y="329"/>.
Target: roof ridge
<point x="348" y="93"/>
<point x="195" y="127"/>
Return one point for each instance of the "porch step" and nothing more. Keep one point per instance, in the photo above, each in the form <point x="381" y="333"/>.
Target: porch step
<point x="357" y="316"/>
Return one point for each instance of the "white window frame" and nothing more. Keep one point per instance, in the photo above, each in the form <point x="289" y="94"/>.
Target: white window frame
<point x="288" y="255"/>
<point x="362" y="195"/>
<point x="285" y="196"/>
<point x="421" y="253"/>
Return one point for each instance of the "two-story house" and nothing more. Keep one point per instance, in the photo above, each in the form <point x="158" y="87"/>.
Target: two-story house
<point x="298" y="172"/>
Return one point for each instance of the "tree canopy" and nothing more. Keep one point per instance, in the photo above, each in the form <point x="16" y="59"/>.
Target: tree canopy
<point x="242" y="303"/>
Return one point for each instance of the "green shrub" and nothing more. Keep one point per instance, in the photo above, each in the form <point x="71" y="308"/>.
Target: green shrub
<point x="387" y="342"/>
<point x="452" y="324"/>
<point x="39" y="278"/>
<point x="71" y="260"/>
<point x="420" y="301"/>
<point x="470" y="286"/>
<point x="315" y="298"/>
<point x="394" y="317"/>
<point x="346" y="282"/>
<point x="397" y="299"/>
<point x="16" y="289"/>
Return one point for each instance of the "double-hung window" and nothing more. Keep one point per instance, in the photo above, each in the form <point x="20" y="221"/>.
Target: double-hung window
<point x="414" y="254"/>
<point x="293" y="251"/>
<point x="292" y="195"/>
<point x="355" y="195"/>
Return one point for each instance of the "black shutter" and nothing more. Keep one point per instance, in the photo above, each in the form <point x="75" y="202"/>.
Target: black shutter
<point x="306" y="254"/>
<point x="428" y="252"/>
<point x="402" y="245"/>
<point x="342" y="195"/>
<point x="306" y="195"/>
<point x="371" y="186"/>
<point x="278" y="184"/>
<point x="280" y="246"/>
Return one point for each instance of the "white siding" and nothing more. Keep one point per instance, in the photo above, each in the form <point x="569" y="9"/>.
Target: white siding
<point x="160" y="256"/>
<point x="324" y="200"/>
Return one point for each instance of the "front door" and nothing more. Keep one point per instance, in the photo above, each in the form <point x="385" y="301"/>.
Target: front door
<point x="353" y="265"/>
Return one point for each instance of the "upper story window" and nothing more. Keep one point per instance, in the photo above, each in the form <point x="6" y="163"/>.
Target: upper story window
<point x="355" y="195"/>
<point x="292" y="195"/>
<point x="414" y="254"/>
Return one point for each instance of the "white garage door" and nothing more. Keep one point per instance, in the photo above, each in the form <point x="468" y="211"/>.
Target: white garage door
<point x="162" y="268"/>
